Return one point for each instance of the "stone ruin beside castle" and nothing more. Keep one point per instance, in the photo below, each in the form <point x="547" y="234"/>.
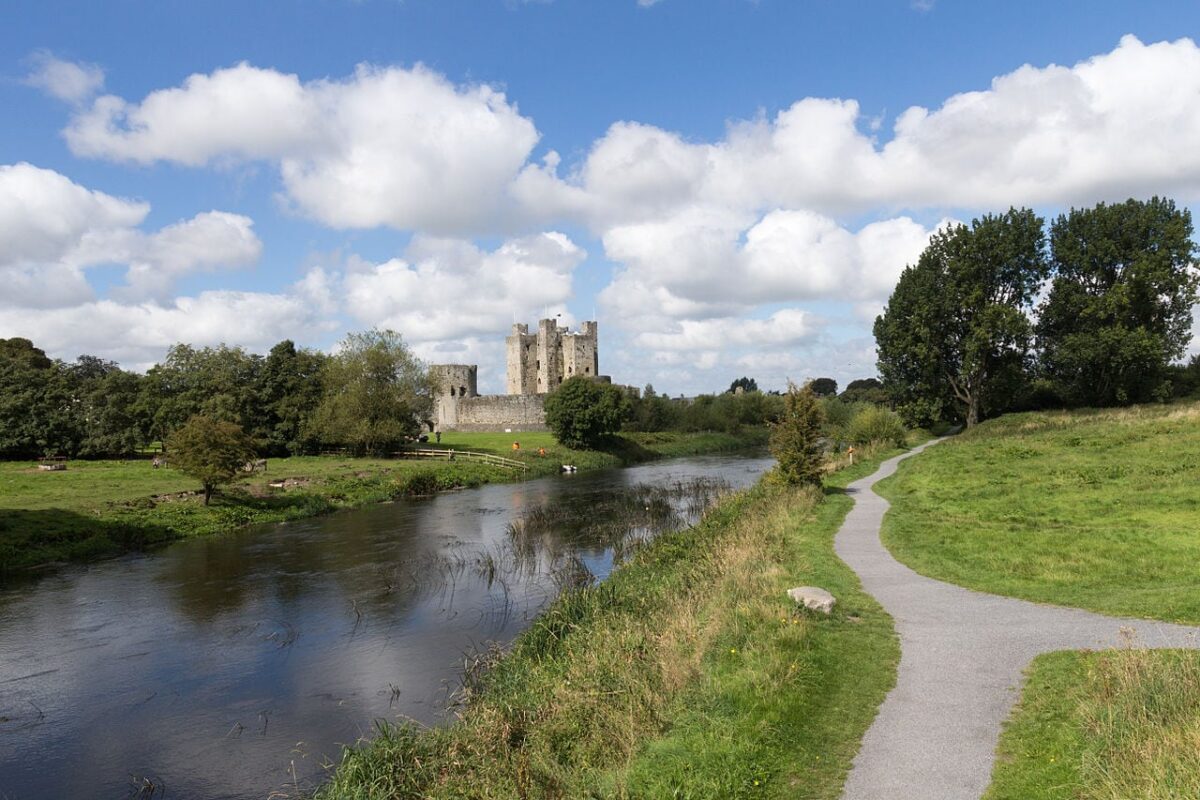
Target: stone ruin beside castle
<point x="537" y="363"/>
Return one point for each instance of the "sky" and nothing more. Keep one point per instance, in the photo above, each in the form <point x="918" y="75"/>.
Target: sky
<point x="730" y="187"/>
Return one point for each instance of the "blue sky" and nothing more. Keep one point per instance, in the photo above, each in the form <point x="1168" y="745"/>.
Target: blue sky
<point x="229" y="171"/>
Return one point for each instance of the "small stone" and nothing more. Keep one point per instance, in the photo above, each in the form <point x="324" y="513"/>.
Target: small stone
<point x="813" y="598"/>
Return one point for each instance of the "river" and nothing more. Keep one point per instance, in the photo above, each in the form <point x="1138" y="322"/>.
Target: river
<point x="238" y="665"/>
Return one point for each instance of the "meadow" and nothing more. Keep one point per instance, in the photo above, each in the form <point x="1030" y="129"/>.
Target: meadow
<point x="687" y="673"/>
<point x="100" y="508"/>
<point x="1095" y="509"/>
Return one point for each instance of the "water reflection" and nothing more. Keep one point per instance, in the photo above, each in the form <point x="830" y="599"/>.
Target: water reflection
<point x="233" y="666"/>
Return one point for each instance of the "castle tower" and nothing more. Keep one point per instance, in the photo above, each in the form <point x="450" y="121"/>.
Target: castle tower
<point x="454" y="382"/>
<point x="522" y="360"/>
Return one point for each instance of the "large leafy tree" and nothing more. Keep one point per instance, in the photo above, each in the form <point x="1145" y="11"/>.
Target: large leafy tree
<point x="376" y="393"/>
<point x="956" y="328"/>
<point x="37" y="410"/>
<point x="211" y="451"/>
<point x="219" y="382"/>
<point x="1119" y="308"/>
<point x="823" y="387"/>
<point x="581" y="412"/>
<point x="290" y="391"/>
<point x="106" y="399"/>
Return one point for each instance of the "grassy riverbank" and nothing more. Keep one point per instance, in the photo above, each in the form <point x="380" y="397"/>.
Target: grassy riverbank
<point x="1096" y="509"/>
<point x="1104" y="726"/>
<point x="688" y="673"/>
<point x="100" y="508"/>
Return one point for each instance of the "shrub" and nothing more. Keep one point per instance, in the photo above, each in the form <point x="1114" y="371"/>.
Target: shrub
<point x="796" y="440"/>
<point x="876" y="424"/>
<point x="210" y="451"/>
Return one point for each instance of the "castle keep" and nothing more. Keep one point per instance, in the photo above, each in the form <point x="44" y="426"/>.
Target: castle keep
<point x="539" y="362"/>
<point x="536" y="364"/>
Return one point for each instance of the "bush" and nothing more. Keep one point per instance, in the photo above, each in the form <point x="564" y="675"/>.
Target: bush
<point x="796" y="441"/>
<point x="876" y="424"/>
<point x="210" y="451"/>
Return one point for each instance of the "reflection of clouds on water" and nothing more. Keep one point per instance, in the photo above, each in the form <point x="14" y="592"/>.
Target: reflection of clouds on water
<point x="204" y="665"/>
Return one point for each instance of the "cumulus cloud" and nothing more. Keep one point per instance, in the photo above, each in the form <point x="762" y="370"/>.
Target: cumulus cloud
<point x="1117" y="124"/>
<point x="708" y="263"/>
<point x="67" y="80"/>
<point x="138" y="334"/>
<point x="52" y="230"/>
<point x="449" y="289"/>
<point x="385" y="147"/>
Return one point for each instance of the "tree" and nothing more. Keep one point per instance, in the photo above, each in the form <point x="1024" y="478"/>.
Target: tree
<point x="956" y="325"/>
<point x="864" y="390"/>
<point x="106" y="398"/>
<point x="218" y="382"/>
<point x="582" y="412"/>
<point x="377" y="393"/>
<point x="211" y="451"/>
<point x="823" y="387"/>
<point x="745" y="384"/>
<point x="289" y="393"/>
<point x="38" y="414"/>
<point x="796" y="439"/>
<point x="1119" y="308"/>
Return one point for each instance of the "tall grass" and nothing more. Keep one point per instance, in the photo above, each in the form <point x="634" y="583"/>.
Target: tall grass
<point x="1111" y="725"/>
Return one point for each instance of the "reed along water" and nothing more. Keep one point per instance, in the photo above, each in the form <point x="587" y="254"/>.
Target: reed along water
<point x="238" y="665"/>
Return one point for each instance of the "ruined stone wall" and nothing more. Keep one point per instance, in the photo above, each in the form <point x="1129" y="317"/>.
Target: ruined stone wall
<point x="518" y="412"/>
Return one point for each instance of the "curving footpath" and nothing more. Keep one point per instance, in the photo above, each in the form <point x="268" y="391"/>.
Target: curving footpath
<point x="962" y="658"/>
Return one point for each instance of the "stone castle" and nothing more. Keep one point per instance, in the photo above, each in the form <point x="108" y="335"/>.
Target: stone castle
<point x="536" y="364"/>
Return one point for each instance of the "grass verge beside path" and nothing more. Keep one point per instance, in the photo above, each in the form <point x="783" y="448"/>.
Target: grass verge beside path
<point x="1110" y="725"/>
<point x="688" y="674"/>
<point x="1094" y="509"/>
<point x="101" y="508"/>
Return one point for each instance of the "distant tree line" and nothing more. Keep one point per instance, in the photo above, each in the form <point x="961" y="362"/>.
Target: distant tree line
<point x="368" y="397"/>
<point x="995" y="317"/>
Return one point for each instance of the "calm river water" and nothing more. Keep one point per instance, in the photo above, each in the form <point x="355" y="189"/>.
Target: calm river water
<point x="237" y="665"/>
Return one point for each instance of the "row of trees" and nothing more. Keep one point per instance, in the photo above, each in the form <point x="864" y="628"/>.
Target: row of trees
<point x="992" y="317"/>
<point x="369" y="396"/>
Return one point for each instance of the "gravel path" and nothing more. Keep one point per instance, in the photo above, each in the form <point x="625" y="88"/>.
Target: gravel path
<point x="961" y="664"/>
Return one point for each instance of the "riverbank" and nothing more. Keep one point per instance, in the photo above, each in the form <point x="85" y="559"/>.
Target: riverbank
<point x="689" y="673"/>
<point x="96" y="509"/>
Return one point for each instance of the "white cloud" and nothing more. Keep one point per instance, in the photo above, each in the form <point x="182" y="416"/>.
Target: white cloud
<point x="787" y="327"/>
<point x="52" y="230"/>
<point x="449" y="289"/>
<point x="138" y="334"/>
<point x="1119" y="124"/>
<point x="208" y="241"/>
<point x="68" y="81"/>
<point x="708" y="263"/>
<point x="386" y="147"/>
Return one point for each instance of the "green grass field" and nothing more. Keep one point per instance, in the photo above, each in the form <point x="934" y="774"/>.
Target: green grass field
<point x="1096" y="509"/>
<point x="688" y="673"/>
<point x="1112" y="725"/>
<point x="100" y="508"/>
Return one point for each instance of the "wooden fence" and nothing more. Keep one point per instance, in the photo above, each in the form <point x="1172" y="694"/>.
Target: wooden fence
<point x="464" y="455"/>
